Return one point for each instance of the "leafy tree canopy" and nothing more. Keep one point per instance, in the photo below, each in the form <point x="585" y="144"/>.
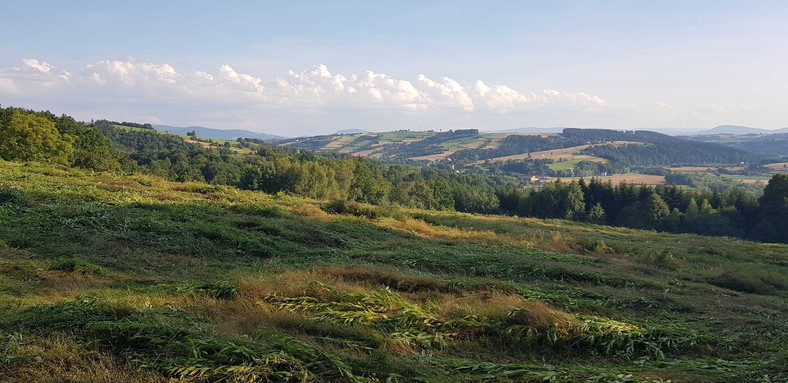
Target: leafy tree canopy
<point x="28" y="137"/>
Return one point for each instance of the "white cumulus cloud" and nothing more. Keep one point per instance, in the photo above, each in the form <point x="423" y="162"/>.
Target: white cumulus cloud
<point x="147" y="86"/>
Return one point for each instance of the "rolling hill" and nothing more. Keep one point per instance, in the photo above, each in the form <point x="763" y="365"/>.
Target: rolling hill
<point x="471" y="147"/>
<point x="217" y="134"/>
<point x="740" y="130"/>
<point x="775" y="144"/>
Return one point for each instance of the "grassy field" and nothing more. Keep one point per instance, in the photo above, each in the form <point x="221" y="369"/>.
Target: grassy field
<point x="567" y="154"/>
<point x="131" y="278"/>
<point x="350" y="144"/>
<point x="563" y="165"/>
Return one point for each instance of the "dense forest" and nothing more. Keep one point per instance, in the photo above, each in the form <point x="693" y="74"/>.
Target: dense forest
<point x="42" y="136"/>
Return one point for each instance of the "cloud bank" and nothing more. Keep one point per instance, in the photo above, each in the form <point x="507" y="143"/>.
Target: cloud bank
<point x="159" y="92"/>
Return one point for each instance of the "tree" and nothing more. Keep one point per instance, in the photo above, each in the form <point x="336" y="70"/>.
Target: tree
<point x="27" y="137"/>
<point x="692" y="209"/>
<point x="774" y="210"/>
<point x="655" y="209"/>
<point x="597" y="214"/>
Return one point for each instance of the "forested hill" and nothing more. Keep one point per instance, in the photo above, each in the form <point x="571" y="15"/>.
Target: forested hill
<point x="255" y="165"/>
<point x="466" y="147"/>
<point x="217" y="134"/>
<point x="775" y="144"/>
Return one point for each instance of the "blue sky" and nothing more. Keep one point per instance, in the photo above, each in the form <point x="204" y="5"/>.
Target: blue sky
<point x="314" y="67"/>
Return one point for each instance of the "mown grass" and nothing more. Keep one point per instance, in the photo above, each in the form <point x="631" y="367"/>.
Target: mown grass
<point x="131" y="278"/>
<point x="564" y="165"/>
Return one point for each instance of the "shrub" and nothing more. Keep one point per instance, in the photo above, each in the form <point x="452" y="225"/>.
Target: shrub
<point x="352" y="208"/>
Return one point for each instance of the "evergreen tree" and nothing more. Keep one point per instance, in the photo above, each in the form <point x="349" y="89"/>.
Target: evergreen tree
<point x="774" y="210"/>
<point x="597" y="214"/>
<point x="655" y="210"/>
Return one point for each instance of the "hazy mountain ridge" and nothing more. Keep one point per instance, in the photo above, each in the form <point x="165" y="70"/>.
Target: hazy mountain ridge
<point x="530" y="129"/>
<point x="218" y="134"/>
<point x="351" y="131"/>
<point x="736" y="129"/>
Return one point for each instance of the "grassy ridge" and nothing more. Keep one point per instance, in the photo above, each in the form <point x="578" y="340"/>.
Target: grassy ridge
<point x="138" y="279"/>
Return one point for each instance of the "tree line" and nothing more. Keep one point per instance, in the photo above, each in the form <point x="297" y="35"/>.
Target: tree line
<point x="665" y="208"/>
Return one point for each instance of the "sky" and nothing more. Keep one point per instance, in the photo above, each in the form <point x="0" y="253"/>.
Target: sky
<point x="296" y="68"/>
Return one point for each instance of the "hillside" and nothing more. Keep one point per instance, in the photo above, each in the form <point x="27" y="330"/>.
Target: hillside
<point x="773" y="144"/>
<point x="729" y="204"/>
<point x="471" y="145"/>
<point x="136" y="277"/>
<point x="739" y="130"/>
<point x="570" y="153"/>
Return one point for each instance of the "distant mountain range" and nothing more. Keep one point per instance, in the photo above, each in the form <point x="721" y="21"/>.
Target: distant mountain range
<point x="734" y="129"/>
<point x="351" y="131"/>
<point x="722" y="129"/>
<point x="218" y="134"/>
<point x="530" y="129"/>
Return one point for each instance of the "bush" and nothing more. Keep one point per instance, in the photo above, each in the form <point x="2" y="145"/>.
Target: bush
<point x="352" y="208"/>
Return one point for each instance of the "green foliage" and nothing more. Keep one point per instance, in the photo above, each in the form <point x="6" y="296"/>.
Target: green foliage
<point x="27" y="137"/>
<point x="330" y="177"/>
<point x="352" y="208"/>
<point x="133" y="272"/>
<point x="774" y="209"/>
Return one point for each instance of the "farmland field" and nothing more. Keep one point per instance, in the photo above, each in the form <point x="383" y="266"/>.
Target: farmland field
<point x="563" y="165"/>
<point x="781" y="166"/>
<point x="568" y="154"/>
<point x="631" y="178"/>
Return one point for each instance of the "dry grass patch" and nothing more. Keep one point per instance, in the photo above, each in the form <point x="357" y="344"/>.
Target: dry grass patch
<point x="387" y="277"/>
<point x="298" y="283"/>
<point x="425" y="229"/>
<point x="310" y="210"/>
<point x="60" y="358"/>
